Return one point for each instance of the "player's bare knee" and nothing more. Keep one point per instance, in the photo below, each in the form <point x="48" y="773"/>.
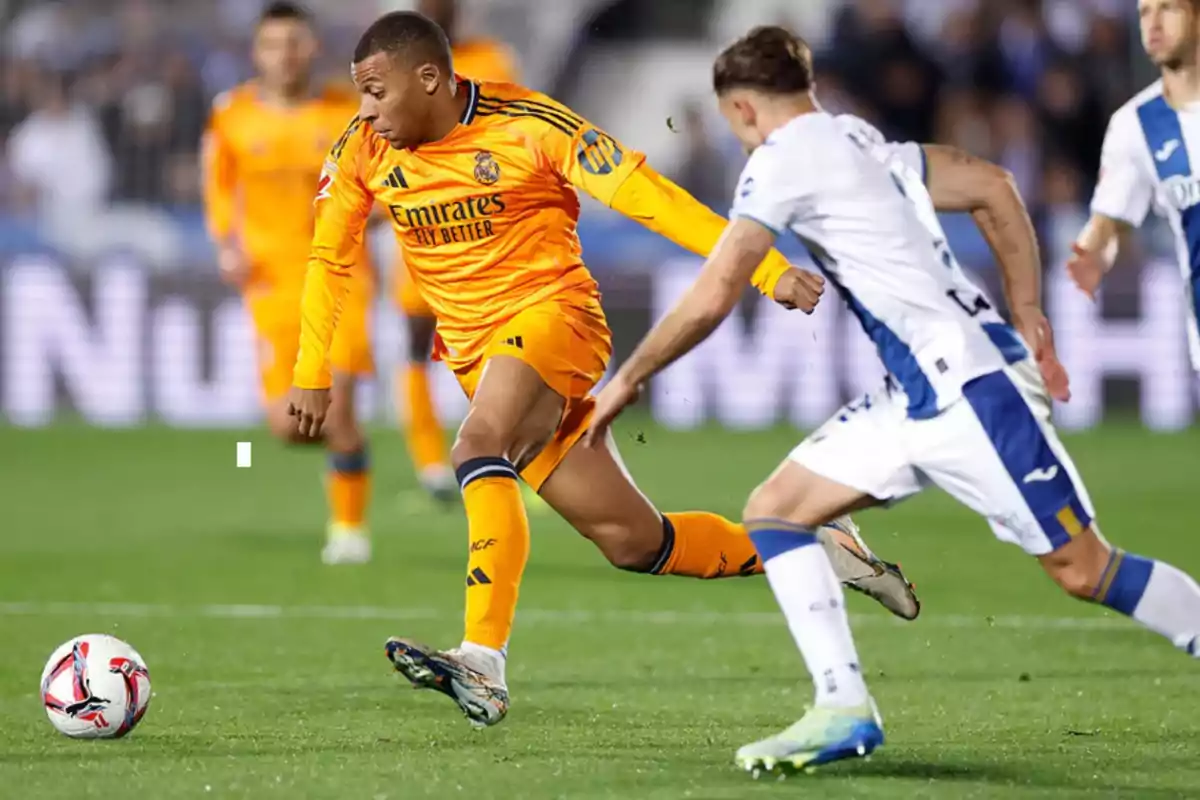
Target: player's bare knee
<point x="477" y="441"/>
<point x="1075" y="581"/>
<point x="1078" y="566"/>
<point x="342" y="435"/>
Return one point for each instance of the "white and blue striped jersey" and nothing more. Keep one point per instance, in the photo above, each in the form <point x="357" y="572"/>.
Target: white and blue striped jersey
<point x="859" y="204"/>
<point x="1150" y="160"/>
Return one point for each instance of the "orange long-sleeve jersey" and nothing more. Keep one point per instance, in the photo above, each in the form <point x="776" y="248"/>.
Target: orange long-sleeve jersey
<point x="262" y="163"/>
<point x="487" y="217"/>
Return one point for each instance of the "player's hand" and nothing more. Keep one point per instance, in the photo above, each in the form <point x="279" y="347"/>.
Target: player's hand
<point x="233" y="265"/>
<point x="1035" y="329"/>
<point x="1087" y="269"/>
<point x="799" y="289"/>
<point x="309" y="406"/>
<point x="609" y="404"/>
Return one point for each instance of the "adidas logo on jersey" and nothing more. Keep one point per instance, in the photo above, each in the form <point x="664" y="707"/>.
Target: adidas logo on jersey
<point x="515" y="341"/>
<point x="395" y="179"/>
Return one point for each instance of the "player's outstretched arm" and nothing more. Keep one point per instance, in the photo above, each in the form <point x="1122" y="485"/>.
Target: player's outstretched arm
<point x="711" y="299"/>
<point x="665" y="208"/>
<point x="620" y="178"/>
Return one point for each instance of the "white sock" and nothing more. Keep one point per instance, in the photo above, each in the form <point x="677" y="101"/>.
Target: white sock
<point x="1169" y="605"/>
<point x="812" y="601"/>
<point x="495" y="659"/>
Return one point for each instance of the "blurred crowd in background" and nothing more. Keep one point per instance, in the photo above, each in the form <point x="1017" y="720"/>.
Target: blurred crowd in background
<point x="103" y="102"/>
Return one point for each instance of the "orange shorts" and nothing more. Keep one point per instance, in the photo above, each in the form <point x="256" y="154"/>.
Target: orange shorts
<point x="569" y="345"/>
<point x="405" y="293"/>
<point x="277" y="327"/>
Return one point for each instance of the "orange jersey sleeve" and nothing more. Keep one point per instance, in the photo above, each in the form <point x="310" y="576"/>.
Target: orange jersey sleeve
<point x="668" y="210"/>
<point x="343" y="205"/>
<point x="584" y="155"/>
<point x="598" y="164"/>
<point x="219" y="163"/>
<point x="261" y="164"/>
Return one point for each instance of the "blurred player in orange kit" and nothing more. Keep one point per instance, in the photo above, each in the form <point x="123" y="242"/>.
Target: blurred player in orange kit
<point x="264" y="147"/>
<point x="482" y="60"/>
<point x="480" y="182"/>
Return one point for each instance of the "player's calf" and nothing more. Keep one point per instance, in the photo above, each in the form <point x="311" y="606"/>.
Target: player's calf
<point x="348" y="480"/>
<point x="1154" y="593"/>
<point x="419" y="420"/>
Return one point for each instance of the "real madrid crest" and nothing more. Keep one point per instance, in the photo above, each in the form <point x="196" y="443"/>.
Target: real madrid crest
<point x="487" y="171"/>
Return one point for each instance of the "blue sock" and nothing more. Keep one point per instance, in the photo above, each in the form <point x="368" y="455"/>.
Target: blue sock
<point x="777" y="537"/>
<point x="1123" y="582"/>
<point x="1154" y="593"/>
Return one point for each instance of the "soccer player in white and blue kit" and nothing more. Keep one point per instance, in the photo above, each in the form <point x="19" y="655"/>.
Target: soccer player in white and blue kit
<point x="966" y="402"/>
<point x="1151" y="158"/>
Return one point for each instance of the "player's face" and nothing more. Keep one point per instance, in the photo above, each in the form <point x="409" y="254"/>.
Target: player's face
<point x="394" y="99"/>
<point x="737" y="106"/>
<point x="283" y="52"/>
<point x="1168" y="31"/>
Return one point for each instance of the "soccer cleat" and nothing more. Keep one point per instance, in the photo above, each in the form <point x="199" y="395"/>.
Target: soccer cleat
<point x="863" y="571"/>
<point x="466" y="678"/>
<point x="822" y="736"/>
<point x="346" y="545"/>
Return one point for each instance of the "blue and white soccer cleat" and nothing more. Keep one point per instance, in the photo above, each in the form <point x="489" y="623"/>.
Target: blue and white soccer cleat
<point x="822" y="736"/>
<point x="466" y="678"/>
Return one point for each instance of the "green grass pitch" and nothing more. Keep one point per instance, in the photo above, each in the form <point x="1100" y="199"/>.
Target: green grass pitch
<point x="270" y="678"/>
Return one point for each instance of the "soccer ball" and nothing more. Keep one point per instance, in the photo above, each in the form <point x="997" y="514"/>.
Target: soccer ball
<point x="95" y="687"/>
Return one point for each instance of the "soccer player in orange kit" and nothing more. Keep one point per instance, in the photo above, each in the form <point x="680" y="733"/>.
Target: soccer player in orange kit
<point x="479" y="180"/>
<point x="264" y="147"/>
<point x="479" y="59"/>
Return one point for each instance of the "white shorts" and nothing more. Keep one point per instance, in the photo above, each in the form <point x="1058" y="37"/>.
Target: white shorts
<point x="994" y="450"/>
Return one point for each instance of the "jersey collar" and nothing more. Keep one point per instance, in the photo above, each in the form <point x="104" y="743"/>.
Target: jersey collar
<point x="472" y="87"/>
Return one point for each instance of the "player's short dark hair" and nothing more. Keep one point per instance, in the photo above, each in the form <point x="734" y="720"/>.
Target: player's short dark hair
<point x="283" y="10"/>
<point x="406" y="35"/>
<point x="770" y="59"/>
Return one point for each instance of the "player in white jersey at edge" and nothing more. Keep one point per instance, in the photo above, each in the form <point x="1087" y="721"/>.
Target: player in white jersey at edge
<point x="966" y="405"/>
<point x="1151" y="158"/>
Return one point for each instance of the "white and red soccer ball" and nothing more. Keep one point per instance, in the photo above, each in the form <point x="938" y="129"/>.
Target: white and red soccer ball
<point x="95" y="687"/>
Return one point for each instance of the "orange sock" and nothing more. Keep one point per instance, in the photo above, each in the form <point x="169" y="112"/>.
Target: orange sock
<point x="349" y="488"/>
<point x="422" y="428"/>
<point x="702" y="545"/>
<point x="499" y="535"/>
